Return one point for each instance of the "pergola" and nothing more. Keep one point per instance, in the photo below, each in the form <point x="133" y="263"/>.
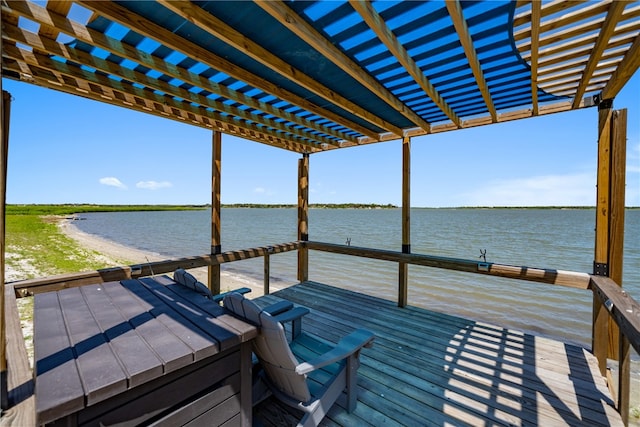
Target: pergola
<point x="312" y="76"/>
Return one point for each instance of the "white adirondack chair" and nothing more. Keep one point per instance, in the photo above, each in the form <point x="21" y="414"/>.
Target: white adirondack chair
<point x="307" y="373"/>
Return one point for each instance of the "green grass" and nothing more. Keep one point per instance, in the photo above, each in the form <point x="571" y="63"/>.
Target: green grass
<point x="36" y="246"/>
<point x="36" y="241"/>
<point x="69" y="209"/>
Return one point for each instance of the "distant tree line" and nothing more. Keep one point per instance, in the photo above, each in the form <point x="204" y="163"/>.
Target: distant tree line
<point x="314" y="206"/>
<point x="68" y="209"/>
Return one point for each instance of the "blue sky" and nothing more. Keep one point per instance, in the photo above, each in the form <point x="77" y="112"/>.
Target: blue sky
<point x="66" y="149"/>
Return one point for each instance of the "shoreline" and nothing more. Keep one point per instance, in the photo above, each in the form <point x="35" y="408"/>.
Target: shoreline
<point x="116" y="254"/>
<point x="111" y="254"/>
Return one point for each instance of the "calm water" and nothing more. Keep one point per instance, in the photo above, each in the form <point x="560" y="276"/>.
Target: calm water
<point x="559" y="238"/>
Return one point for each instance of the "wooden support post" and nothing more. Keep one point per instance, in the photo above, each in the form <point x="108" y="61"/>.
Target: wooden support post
<point x="609" y="223"/>
<point x="303" y="217"/>
<point x="600" y="316"/>
<point x="618" y="160"/>
<point x="624" y="379"/>
<point x="403" y="276"/>
<point x="4" y="149"/>
<point x="618" y="349"/>
<point x="216" y="243"/>
<point x="267" y="273"/>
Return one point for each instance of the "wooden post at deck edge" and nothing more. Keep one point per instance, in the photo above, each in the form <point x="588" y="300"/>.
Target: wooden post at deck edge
<point x="403" y="276"/>
<point x="216" y="173"/>
<point x="303" y="217"/>
<point x="609" y="223"/>
<point x="600" y="315"/>
<point x="4" y="148"/>
<point x="616" y="245"/>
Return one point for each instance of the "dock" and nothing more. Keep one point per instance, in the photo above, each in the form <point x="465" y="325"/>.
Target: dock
<point x="313" y="77"/>
<point x="428" y="368"/>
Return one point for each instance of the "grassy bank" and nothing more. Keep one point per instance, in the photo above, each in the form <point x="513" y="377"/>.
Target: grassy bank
<point x="68" y="209"/>
<point x="36" y="246"/>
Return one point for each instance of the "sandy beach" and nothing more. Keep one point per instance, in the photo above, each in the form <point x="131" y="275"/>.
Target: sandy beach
<point x="115" y="254"/>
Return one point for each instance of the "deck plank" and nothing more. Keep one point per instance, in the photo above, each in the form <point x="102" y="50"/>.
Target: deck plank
<point x="429" y="368"/>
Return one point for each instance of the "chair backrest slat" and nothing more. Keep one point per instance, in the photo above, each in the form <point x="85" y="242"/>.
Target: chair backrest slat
<point x="271" y="347"/>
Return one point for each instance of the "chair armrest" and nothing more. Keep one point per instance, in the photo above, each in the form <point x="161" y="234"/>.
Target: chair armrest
<point x="218" y="298"/>
<point x="291" y="315"/>
<point x="284" y="311"/>
<point x="345" y="348"/>
<point x="279" y="307"/>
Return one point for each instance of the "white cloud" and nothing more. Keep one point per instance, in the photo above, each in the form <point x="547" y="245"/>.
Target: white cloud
<point x="263" y="191"/>
<point x="548" y="190"/>
<point x="153" y="185"/>
<point x="112" y="182"/>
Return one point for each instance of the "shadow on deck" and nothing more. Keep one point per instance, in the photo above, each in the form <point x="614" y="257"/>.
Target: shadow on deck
<point x="428" y="368"/>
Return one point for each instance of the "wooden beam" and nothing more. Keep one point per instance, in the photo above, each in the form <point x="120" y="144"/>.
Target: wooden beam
<point x="211" y="24"/>
<point x="144" y="106"/>
<point x="60" y="7"/>
<point x="574" y="47"/>
<point x="616" y="252"/>
<point x="5" y="114"/>
<point x="40" y="15"/>
<point x="550" y="8"/>
<point x="563" y="21"/>
<point x="301" y="28"/>
<point x="100" y="88"/>
<point x="4" y="146"/>
<point x="507" y="116"/>
<point x="303" y="217"/>
<point x="29" y="287"/>
<point x="552" y="64"/>
<point x="554" y="277"/>
<point x="216" y="240"/>
<point x="561" y="74"/>
<point x="167" y="38"/>
<point x="460" y="24"/>
<point x="627" y="68"/>
<point x="403" y="279"/>
<point x="377" y="24"/>
<point x="600" y="333"/>
<point x="535" y="36"/>
<point x="608" y="27"/>
<point x="20" y="385"/>
<point x="624" y="379"/>
<point x="622" y="307"/>
<point x="113" y="69"/>
<point x="579" y="30"/>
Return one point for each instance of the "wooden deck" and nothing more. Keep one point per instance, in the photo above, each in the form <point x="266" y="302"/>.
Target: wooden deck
<point x="427" y="368"/>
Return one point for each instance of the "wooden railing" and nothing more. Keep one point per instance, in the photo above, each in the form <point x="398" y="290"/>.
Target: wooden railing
<point x="54" y="283"/>
<point x="622" y="308"/>
<point x="556" y="277"/>
<point x="20" y="377"/>
<point x="625" y="312"/>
